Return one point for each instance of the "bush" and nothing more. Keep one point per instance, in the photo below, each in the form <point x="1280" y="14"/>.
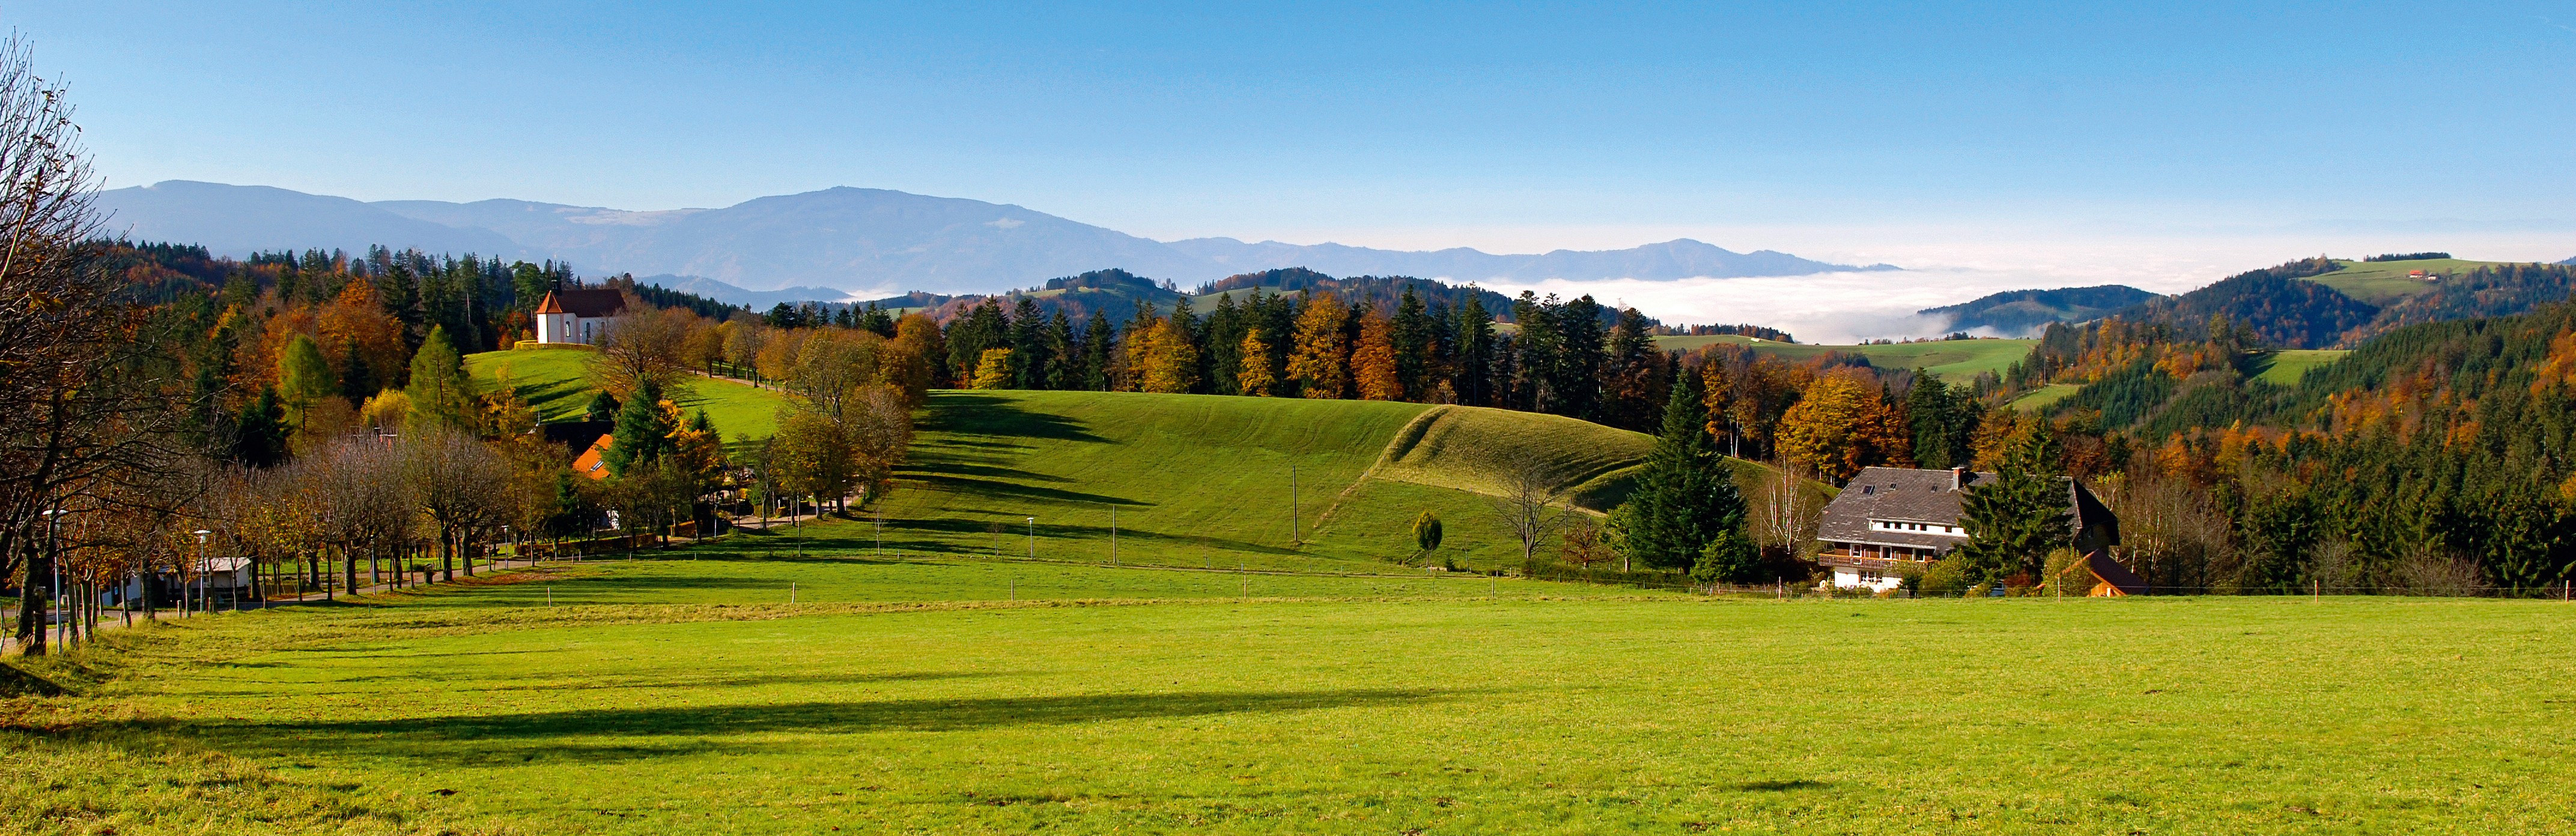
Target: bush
<point x="1948" y="576"/>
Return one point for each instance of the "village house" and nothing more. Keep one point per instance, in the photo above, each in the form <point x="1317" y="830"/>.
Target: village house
<point x="1890" y="517"/>
<point x="579" y="316"/>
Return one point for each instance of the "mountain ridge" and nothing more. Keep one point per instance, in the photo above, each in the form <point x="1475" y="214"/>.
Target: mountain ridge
<point x="853" y="240"/>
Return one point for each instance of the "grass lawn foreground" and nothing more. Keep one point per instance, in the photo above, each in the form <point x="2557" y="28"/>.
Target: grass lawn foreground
<point x="681" y="693"/>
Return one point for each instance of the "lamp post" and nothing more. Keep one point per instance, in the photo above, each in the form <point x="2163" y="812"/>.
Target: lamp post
<point x="202" y="587"/>
<point x="505" y="538"/>
<point x="1033" y="538"/>
<point x="53" y="546"/>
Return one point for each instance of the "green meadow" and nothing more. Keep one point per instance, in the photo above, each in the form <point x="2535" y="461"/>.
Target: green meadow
<point x="556" y="384"/>
<point x="952" y="668"/>
<point x="1954" y="360"/>
<point x="683" y="693"/>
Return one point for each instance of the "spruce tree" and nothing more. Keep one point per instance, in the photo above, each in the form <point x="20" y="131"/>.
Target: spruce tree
<point x="259" y="433"/>
<point x="304" y="378"/>
<point x="2014" y="521"/>
<point x="643" y="433"/>
<point x="438" y="390"/>
<point x="1685" y="497"/>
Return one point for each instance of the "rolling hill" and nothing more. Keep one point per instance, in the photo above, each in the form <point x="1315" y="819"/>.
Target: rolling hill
<point x="1194" y="479"/>
<point x="2018" y="312"/>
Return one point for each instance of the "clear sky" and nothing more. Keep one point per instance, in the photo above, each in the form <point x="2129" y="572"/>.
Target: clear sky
<point x="2203" y="135"/>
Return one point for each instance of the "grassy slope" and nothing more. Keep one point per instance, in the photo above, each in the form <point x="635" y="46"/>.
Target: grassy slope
<point x="2379" y="282"/>
<point x="2040" y="398"/>
<point x="1954" y="360"/>
<point x="2284" y="367"/>
<point x="481" y="710"/>
<point x="1202" y="480"/>
<point x="555" y="383"/>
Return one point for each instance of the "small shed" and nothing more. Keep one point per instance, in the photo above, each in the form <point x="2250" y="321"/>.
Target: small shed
<point x="2110" y="579"/>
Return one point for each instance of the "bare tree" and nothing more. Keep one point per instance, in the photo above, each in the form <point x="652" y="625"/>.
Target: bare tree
<point x="79" y="409"/>
<point x="1582" y="543"/>
<point x="1786" y="510"/>
<point x="462" y="485"/>
<point x="648" y="345"/>
<point x="1527" y="502"/>
<point x="361" y="503"/>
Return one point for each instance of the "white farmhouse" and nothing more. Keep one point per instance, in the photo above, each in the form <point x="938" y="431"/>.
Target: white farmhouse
<point x="579" y="316"/>
<point x="1892" y="516"/>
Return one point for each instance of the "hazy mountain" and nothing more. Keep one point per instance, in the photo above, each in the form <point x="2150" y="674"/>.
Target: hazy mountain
<point x="1680" y="258"/>
<point x="858" y="241"/>
<point x="756" y="300"/>
<point x="2016" y="312"/>
<point x="238" y="220"/>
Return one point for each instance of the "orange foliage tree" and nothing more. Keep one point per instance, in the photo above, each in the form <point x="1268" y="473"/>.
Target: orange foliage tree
<point x="1373" y="365"/>
<point x="1317" y="362"/>
<point x="1255" y="379"/>
<point x="1161" y="359"/>
<point x="1841" y="424"/>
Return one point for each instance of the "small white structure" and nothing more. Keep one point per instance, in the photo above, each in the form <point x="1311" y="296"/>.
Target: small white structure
<point x="579" y="316"/>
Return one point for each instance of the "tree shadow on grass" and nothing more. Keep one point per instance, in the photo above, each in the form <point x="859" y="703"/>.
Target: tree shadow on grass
<point x="995" y="488"/>
<point x="519" y="737"/>
<point x="969" y="413"/>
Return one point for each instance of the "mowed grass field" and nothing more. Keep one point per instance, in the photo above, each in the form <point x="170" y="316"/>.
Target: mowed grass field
<point x="663" y="696"/>
<point x="2285" y="367"/>
<point x="1954" y="360"/>
<point x="2382" y="282"/>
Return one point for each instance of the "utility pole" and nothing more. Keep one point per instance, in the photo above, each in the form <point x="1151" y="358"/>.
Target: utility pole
<point x="1295" y="537"/>
<point x="1113" y="536"/>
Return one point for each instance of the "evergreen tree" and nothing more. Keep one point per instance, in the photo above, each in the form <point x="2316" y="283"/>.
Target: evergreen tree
<point x="1411" y="338"/>
<point x="1098" y="338"/>
<point x="2014" y="521"/>
<point x="1685" y="497"/>
<point x="1225" y="329"/>
<point x="643" y="434"/>
<point x="1475" y="353"/>
<point x="1030" y="353"/>
<point x="439" y="392"/>
<point x="603" y="407"/>
<point x="1064" y="363"/>
<point x="1942" y="419"/>
<point x="259" y="433"/>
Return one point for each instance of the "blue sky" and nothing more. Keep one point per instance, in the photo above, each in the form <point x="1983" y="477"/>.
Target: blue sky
<point x="1967" y="135"/>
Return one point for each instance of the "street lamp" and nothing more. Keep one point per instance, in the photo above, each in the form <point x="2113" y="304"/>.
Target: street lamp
<point x="505" y="537"/>
<point x="53" y="543"/>
<point x="1033" y="538"/>
<point x="202" y="587"/>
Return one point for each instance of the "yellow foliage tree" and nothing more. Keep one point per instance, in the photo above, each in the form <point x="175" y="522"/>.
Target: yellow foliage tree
<point x="1373" y="365"/>
<point x="993" y="369"/>
<point x="1841" y="424"/>
<point x="1318" y="361"/>
<point x="1160" y="359"/>
<point x="1255" y="379"/>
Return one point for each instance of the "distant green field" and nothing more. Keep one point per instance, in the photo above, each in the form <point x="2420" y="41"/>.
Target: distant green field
<point x="556" y="383"/>
<point x="679" y="695"/>
<point x="2380" y="282"/>
<point x="2286" y="366"/>
<point x="1953" y="360"/>
<point x="2040" y="398"/>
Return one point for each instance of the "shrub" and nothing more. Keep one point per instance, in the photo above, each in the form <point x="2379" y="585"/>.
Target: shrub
<point x="1948" y="576"/>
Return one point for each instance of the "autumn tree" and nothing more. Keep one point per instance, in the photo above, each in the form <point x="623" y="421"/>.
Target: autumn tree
<point x="1318" y="362"/>
<point x="1255" y="378"/>
<point x="993" y="371"/>
<point x="1373" y="364"/>
<point x="648" y="345"/>
<point x="1160" y="358"/>
<point x="1841" y="424"/>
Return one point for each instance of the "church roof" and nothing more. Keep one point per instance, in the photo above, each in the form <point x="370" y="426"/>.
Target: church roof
<point x="587" y="303"/>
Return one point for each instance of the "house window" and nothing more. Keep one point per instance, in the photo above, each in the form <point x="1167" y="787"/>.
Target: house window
<point x="1871" y="577"/>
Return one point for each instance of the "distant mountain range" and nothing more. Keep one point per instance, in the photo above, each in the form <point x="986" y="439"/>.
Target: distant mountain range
<point x="840" y="242"/>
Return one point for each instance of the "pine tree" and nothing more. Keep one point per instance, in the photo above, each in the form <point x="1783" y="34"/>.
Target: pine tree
<point x="1030" y="353"/>
<point x="1475" y="353"/>
<point x="2014" y="521"/>
<point x="603" y="407"/>
<point x="1685" y="496"/>
<point x="1097" y="339"/>
<point x="1064" y="352"/>
<point x="1411" y="337"/>
<point x="259" y="433"/>
<point x="643" y="434"/>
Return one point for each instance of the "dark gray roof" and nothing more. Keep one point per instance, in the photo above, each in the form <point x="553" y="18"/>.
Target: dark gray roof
<point x="1930" y="496"/>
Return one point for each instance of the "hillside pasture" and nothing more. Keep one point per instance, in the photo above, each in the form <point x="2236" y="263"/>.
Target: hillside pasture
<point x="2285" y="367"/>
<point x="556" y="383"/>
<point x="681" y="693"/>
<point x="2382" y="282"/>
<point x="1954" y="360"/>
